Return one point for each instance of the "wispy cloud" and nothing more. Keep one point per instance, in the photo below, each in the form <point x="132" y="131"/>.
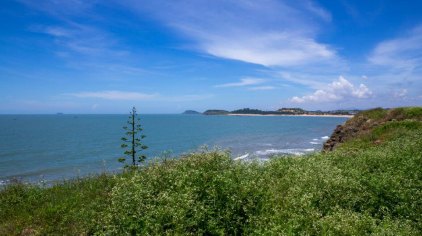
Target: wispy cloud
<point x="257" y="88"/>
<point x="61" y="9"/>
<point x="114" y="95"/>
<point x="272" y="49"/>
<point x="78" y="42"/>
<point x="186" y="98"/>
<point x="243" y="82"/>
<point x="28" y="106"/>
<point x="137" y="96"/>
<point x="400" y="93"/>
<point x="316" y="10"/>
<point x="83" y="40"/>
<point x="269" y="32"/>
<point x="398" y="65"/>
<point x="336" y="91"/>
<point x="303" y="78"/>
<point x="401" y="53"/>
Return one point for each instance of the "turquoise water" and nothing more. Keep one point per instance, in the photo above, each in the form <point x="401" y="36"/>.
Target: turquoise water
<point x="54" y="147"/>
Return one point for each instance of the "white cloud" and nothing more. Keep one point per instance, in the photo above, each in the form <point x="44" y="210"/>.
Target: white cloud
<point x="81" y="43"/>
<point x="400" y="93"/>
<point x="61" y="8"/>
<point x="82" y="40"/>
<point x="56" y="31"/>
<point x="187" y="98"/>
<point x="89" y="48"/>
<point x="262" y="88"/>
<point x="316" y="10"/>
<point x="271" y="49"/>
<point x="307" y="79"/>
<point x="241" y="83"/>
<point x="397" y="67"/>
<point x="136" y="96"/>
<point x="401" y="53"/>
<point x="268" y="32"/>
<point x="114" y="95"/>
<point x="336" y="91"/>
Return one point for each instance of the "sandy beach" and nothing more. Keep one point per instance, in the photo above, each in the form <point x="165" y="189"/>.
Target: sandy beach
<point x="347" y="116"/>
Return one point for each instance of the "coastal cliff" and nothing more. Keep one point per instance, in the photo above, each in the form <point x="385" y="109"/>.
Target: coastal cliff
<point x="365" y="122"/>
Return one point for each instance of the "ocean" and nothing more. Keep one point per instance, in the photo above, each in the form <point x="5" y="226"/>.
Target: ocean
<point x="43" y="148"/>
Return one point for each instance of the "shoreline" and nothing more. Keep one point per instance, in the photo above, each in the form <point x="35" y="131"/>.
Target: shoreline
<point x="310" y="115"/>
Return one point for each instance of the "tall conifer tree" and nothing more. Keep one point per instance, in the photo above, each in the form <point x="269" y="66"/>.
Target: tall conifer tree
<point x="132" y="140"/>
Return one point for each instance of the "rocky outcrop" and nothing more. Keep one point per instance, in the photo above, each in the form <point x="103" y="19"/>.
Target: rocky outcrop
<point x="364" y="122"/>
<point x="352" y="128"/>
<point x="335" y="138"/>
<point x="360" y="124"/>
<point x="340" y="135"/>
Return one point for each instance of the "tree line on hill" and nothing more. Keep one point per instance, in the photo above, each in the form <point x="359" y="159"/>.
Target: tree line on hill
<point x="282" y="111"/>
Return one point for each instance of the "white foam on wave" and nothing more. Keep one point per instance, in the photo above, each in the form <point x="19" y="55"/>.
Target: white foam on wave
<point x="325" y="137"/>
<point x="314" y="143"/>
<point x="269" y="152"/>
<point x="241" y="157"/>
<point x="315" y="139"/>
<point x="291" y="151"/>
<point x="267" y="144"/>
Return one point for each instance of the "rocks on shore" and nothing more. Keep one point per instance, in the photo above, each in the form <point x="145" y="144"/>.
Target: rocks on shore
<point x="358" y="125"/>
<point x="363" y="122"/>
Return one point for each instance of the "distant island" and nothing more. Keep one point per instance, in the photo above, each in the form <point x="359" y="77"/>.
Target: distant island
<point x="282" y="111"/>
<point x="191" y="112"/>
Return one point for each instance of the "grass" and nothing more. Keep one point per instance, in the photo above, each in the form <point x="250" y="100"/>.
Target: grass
<point x="67" y="208"/>
<point x="369" y="185"/>
<point x="400" y="113"/>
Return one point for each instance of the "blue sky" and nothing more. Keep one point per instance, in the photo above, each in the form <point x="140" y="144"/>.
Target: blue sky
<point x="82" y="56"/>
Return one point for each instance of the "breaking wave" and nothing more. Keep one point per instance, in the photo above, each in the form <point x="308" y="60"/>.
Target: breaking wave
<point x="241" y="157"/>
<point x="291" y="151"/>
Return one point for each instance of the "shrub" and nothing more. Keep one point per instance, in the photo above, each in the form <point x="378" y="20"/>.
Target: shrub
<point x="368" y="191"/>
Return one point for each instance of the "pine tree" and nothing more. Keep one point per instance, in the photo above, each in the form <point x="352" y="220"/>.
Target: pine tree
<point x="132" y="140"/>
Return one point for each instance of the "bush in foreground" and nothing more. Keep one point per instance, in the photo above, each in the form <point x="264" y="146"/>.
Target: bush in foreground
<point x="71" y="207"/>
<point x="371" y="191"/>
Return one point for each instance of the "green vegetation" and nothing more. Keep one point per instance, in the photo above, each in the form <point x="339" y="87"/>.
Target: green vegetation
<point x="291" y="111"/>
<point x="216" y="112"/>
<point x="282" y="111"/>
<point x="259" y="112"/>
<point x="69" y="208"/>
<point x="371" y="121"/>
<point x="133" y="139"/>
<point x="248" y="111"/>
<point x="371" y="184"/>
<point x="401" y="113"/>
